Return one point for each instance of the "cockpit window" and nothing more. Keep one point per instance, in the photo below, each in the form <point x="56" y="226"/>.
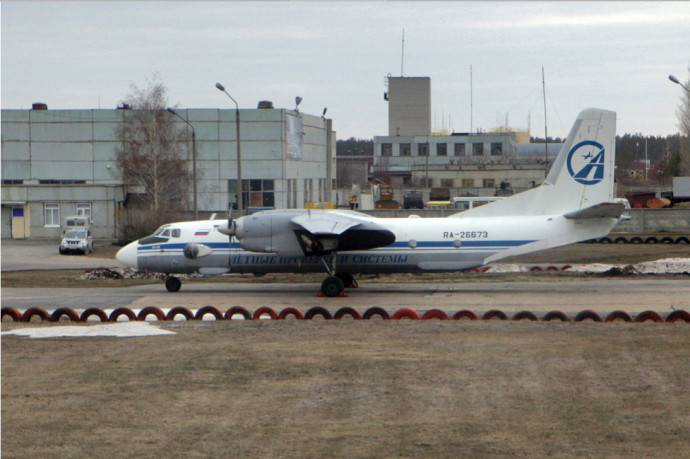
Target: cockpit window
<point x="176" y="232"/>
<point x="160" y="236"/>
<point x="159" y="231"/>
<point x="153" y="240"/>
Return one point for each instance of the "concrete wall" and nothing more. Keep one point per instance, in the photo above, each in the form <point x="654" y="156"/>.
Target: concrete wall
<point x="104" y="201"/>
<point x="656" y="221"/>
<point x="409" y="106"/>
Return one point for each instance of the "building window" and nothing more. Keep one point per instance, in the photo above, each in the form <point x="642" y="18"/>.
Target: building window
<point x="255" y="193"/>
<point x="441" y="149"/>
<point x="12" y="182"/>
<point x="260" y="193"/>
<point x="84" y="210"/>
<point x="489" y="183"/>
<point x="446" y="183"/>
<point x="478" y="149"/>
<point x="496" y="148"/>
<point x="61" y="182"/>
<point x="52" y="214"/>
<point x="459" y="149"/>
<point x="467" y="183"/>
<point x="422" y="149"/>
<point x="386" y="149"/>
<point x="405" y="149"/>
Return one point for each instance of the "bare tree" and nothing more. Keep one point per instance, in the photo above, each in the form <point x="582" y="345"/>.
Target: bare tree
<point x="150" y="157"/>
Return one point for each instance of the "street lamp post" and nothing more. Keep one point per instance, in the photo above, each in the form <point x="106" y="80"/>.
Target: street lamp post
<point x="239" y="156"/>
<point x="675" y="80"/>
<point x="196" y="210"/>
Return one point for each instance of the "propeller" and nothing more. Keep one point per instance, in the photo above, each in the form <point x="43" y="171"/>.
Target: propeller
<point x="228" y="228"/>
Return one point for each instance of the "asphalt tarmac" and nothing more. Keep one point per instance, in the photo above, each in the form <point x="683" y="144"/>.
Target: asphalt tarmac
<point x="20" y="255"/>
<point x="601" y="295"/>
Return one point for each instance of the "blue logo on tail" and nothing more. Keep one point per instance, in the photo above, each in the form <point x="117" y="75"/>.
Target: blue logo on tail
<point x="586" y="162"/>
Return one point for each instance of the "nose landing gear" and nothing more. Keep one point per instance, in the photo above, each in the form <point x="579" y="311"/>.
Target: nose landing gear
<point x="173" y="284"/>
<point x="334" y="285"/>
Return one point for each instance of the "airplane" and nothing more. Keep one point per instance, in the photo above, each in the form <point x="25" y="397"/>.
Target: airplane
<point x="574" y="204"/>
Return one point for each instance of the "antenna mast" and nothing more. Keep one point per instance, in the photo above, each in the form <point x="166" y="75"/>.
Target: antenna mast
<point x="546" y="142"/>
<point x="402" y="60"/>
<point x="471" y="103"/>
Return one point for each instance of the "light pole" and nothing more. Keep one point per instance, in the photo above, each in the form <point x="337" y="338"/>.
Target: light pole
<point x="239" y="156"/>
<point x="675" y="80"/>
<point x="196" y="210"/>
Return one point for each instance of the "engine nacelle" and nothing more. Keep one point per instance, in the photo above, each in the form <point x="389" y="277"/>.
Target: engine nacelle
<point x="194" y="251"/>
<point x="269" y="232"/>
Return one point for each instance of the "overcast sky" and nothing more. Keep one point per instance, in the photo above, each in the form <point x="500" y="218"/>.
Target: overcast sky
<point x="612" y="55"/>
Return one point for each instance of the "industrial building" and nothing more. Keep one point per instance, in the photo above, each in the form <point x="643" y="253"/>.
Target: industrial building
<point x="412" y="155"/>
<point x="58" y="163"/>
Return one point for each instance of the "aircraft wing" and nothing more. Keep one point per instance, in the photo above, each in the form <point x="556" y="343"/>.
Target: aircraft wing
<point x="603" y="210"/>
<point x="325" y="223"/>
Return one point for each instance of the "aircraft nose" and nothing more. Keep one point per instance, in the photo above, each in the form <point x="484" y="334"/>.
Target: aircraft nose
<point x="127" y="255"/>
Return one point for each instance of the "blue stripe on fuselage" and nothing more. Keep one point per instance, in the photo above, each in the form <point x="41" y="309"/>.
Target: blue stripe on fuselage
<point x="399" y="244"/>
<point x="474" y="243"/>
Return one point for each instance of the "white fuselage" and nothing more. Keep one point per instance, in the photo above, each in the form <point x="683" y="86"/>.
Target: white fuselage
<point x="421" y="244"/>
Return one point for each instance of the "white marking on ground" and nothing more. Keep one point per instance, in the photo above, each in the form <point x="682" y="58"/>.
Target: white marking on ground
<point x="118" y="330"/>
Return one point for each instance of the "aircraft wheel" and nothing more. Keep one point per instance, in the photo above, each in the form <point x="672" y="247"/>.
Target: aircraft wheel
<point x="173" y="284"/>
<point x="332" y="286"/>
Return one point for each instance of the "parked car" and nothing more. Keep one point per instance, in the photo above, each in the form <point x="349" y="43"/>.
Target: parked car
<point x="413" y="200"/>
<point x="77" y="241"/>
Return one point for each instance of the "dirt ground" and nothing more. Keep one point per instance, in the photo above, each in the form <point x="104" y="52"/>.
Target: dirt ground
<point x="358" y="388"/>
<point x="352" y="389"/>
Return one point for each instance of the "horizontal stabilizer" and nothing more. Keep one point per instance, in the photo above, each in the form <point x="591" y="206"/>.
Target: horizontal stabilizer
<point x="321" y="223"/>
<point x="603" y="210"/>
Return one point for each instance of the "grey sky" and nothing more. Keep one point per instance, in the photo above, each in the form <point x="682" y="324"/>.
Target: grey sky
<point x="612" y="55"/>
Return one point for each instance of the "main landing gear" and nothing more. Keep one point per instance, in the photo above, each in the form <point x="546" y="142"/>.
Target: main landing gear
<point x="335" y="283"/>
<point x="173" y="284"/>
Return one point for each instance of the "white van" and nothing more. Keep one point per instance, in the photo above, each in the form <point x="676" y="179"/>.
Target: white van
<point x="77" y="240"/>
<point x="77" y="236"/>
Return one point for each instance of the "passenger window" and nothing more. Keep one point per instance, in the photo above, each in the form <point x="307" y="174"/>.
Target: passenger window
<point x="176" y="232"/>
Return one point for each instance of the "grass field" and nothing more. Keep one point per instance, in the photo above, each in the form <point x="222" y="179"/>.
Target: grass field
<point x="352" y="389"/>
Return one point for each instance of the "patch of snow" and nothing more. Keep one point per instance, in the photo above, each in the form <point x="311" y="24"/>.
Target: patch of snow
<point x="591" y="268"/>
<point x="665" y="266"/>
<point x="505" y="268"/>
<point x="118" y="330"/>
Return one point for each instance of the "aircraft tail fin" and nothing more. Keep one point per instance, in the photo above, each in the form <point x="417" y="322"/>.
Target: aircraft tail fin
<point x="581" y="176"/>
